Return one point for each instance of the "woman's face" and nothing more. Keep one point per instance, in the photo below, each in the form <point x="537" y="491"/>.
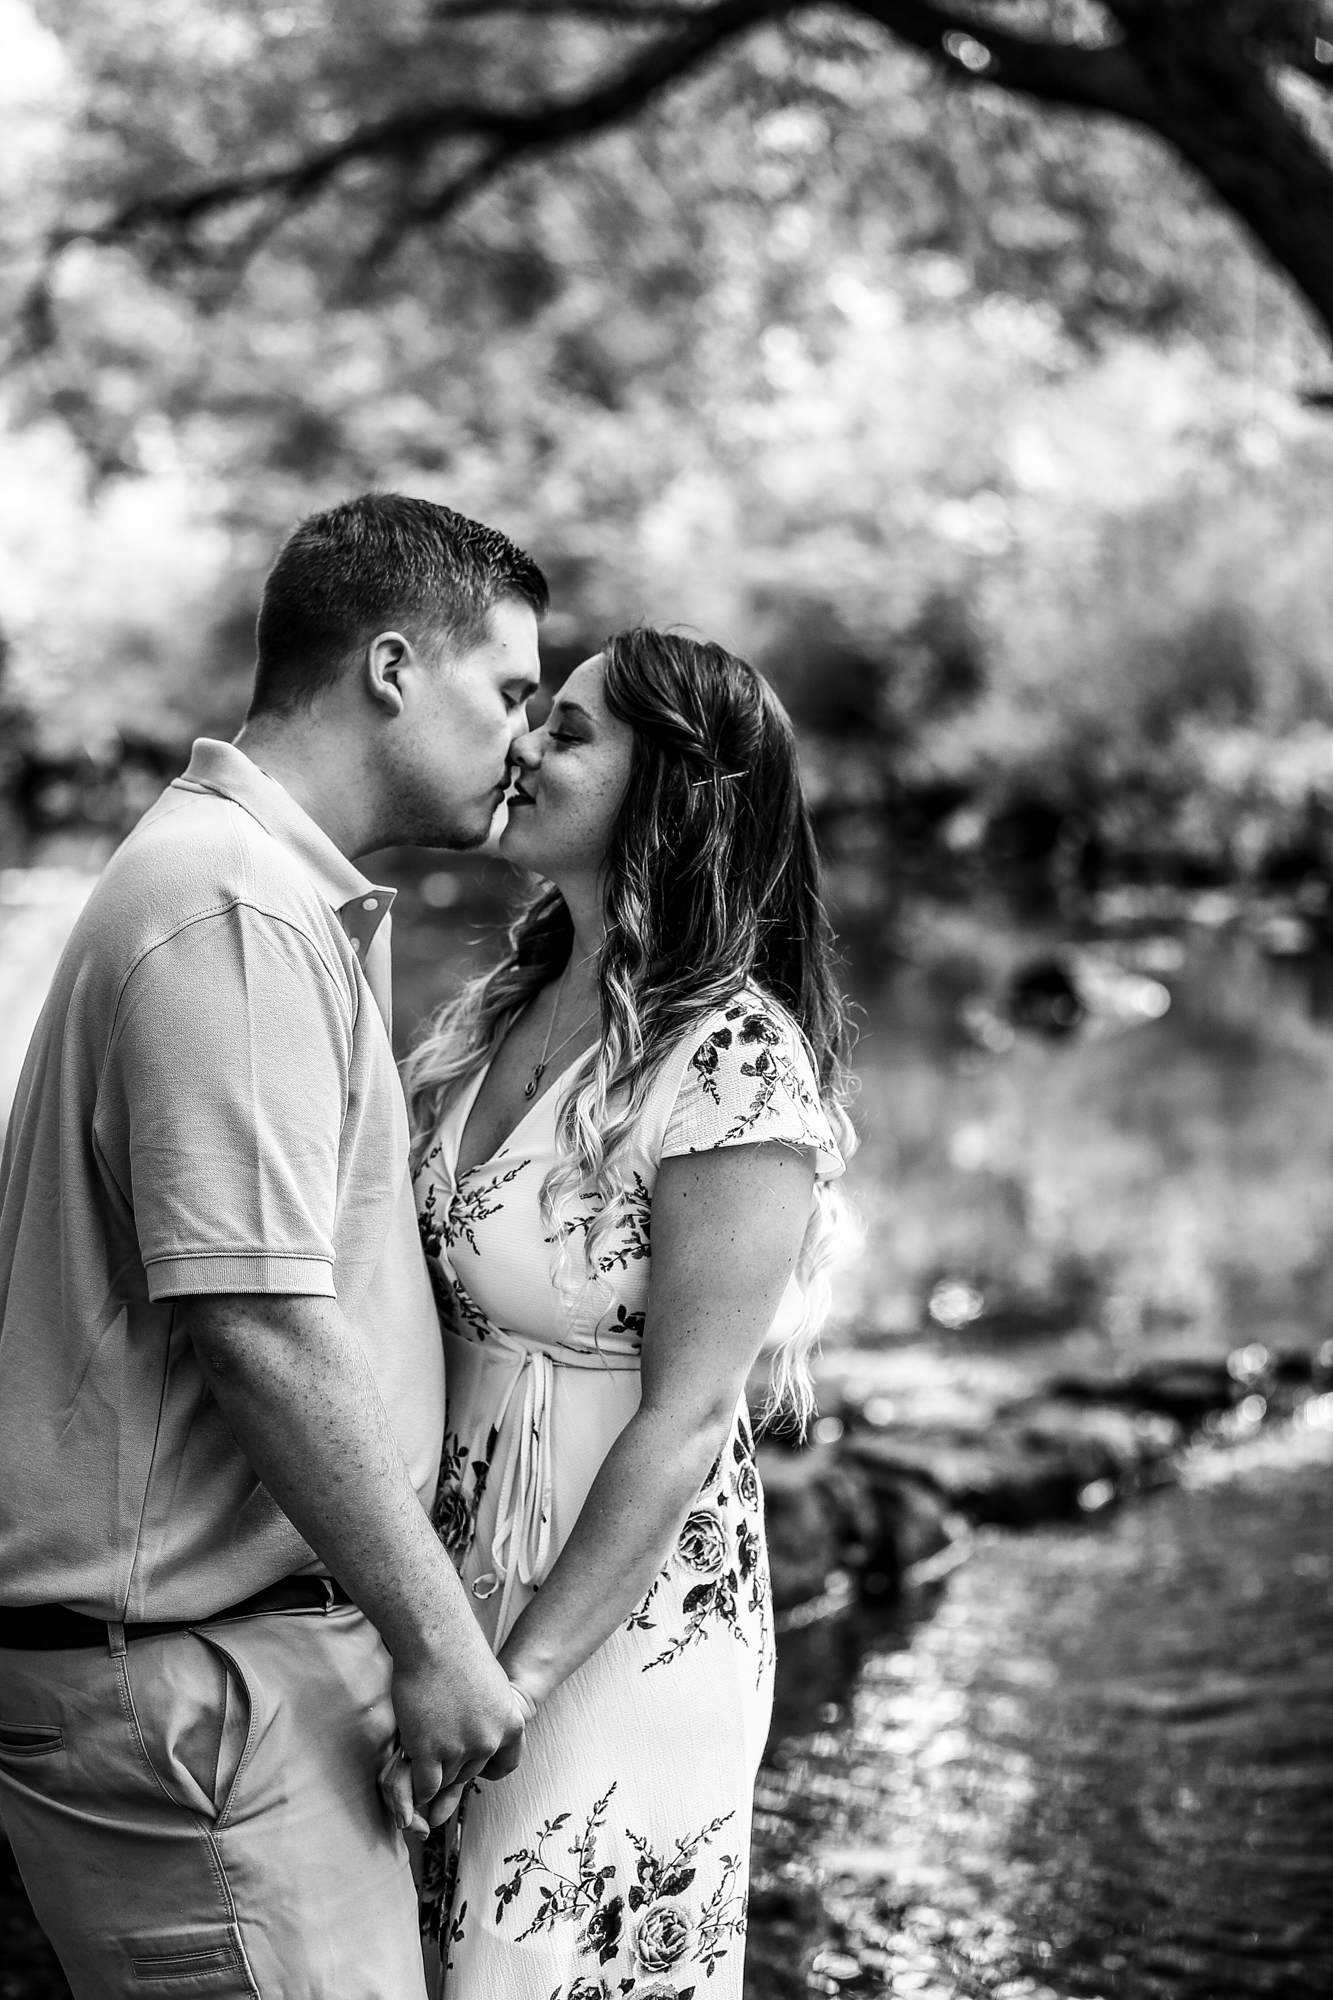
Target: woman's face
<point x="570" y="777"/>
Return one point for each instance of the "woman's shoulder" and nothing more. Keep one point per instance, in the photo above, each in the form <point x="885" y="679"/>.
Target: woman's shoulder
<point x="744" y="1074"/>
<point x="751" y="1028"/>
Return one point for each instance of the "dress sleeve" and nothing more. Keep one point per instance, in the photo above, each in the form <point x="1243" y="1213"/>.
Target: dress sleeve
<point x="749" y="1080"/>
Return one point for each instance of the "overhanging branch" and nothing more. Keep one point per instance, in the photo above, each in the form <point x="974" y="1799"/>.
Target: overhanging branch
<point x="620" y="13"/>
<point x="974" y="51"/>
<point x="1198" y="73"/>
<point x="503" y="133"/>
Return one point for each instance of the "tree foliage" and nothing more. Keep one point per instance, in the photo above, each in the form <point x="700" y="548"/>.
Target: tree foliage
<point x="401" y="113"/>
<point x="974" y="423"/>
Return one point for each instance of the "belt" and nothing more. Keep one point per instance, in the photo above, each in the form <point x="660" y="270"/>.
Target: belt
<point x="50" y="1627"/>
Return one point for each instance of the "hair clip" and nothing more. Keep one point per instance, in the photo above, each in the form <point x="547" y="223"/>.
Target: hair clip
<point x="717" y="778"/>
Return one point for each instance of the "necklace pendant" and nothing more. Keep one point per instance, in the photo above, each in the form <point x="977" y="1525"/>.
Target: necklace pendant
<point x="530" y="1088"/>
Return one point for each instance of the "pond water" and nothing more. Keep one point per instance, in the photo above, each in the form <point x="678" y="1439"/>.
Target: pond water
<point x="1096" y="1761"/>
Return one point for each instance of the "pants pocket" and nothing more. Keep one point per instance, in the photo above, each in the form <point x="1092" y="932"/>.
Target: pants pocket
<point x="20" y="1741"/>
<point x="192" y="1712"/>
<point x="209" y="1962"/>
<point x="237" y="1735"/>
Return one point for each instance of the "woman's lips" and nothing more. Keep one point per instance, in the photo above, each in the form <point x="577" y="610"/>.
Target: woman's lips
<point x="520" y="798"/>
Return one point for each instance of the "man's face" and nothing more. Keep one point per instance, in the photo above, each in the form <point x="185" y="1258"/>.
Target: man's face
<point x="462" y="713"/>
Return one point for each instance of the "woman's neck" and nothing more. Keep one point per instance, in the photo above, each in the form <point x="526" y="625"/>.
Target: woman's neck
<point x="580" y="994"/>
<point x="586" y="909"/>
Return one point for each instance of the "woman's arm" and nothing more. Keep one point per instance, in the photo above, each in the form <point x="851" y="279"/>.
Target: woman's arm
<point x="727" y="1227"/>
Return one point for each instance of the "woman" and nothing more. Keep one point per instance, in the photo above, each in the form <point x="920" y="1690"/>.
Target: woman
<point x="626" y="1134"/>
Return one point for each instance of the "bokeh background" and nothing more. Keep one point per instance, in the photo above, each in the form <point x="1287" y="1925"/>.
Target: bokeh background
<point x="992" y="434"/>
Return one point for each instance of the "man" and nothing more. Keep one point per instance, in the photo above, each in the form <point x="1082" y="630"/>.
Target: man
<point x="221" y="1391"/>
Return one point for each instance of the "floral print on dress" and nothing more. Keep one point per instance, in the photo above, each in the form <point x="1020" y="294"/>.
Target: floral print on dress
<point x="633" y="1238"/>
<point x="627" y="1325"/>
<point x="752" y="1067"/>
<point x="476" y="1203"/>
<point x="439" y="1920"/>
<point x="429" y="1221"/>
<point x="613" y="1866"/>
<point x="724" y="1569"/>
<point x="649" y="1928"/>
<point x="460" y="1493"/>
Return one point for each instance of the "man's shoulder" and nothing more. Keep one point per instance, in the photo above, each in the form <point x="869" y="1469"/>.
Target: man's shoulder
<point x="197" y="854"/>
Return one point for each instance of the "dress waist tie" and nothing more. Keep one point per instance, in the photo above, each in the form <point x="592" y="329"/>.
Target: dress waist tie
<point x="521" y="1543"/>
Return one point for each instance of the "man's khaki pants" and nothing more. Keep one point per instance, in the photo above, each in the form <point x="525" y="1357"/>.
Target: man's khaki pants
<point x="198" y="1815"/>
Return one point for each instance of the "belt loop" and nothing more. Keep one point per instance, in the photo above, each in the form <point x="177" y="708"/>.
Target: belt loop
<point x="330" y="1594"/>
<point x="115" y="1634"/>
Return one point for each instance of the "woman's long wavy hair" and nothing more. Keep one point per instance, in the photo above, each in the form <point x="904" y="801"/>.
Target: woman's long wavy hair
<point x="712" y="883"/>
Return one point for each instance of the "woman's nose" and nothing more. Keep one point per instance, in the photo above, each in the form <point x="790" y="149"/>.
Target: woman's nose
<point x="526" y="750"/>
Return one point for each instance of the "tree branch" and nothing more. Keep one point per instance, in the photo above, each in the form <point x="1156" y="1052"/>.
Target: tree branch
<point x="1201" y="83"/>
<point x="507" y="133"/>
<point x="1216" y="105"/>
<point x="622" y="13"/>
<point x="974" y="51"/>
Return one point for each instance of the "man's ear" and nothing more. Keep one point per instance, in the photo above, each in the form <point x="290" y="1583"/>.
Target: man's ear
<point x="382" y="668"/>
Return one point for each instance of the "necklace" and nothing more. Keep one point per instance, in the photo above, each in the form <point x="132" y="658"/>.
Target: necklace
<point x="533" y="1083"/>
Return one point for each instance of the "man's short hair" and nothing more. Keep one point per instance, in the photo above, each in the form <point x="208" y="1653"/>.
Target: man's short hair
<point x="373" y="564"/>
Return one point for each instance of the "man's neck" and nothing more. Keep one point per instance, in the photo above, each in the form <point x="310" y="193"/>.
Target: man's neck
<point x="313" y="765"/>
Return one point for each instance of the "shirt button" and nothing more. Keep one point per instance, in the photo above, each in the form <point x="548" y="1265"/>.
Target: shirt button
<point x="371" y="903"/>
<point x="356" y="944"/>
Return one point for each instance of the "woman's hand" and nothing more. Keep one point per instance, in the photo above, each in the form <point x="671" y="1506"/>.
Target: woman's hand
<point x="395" y="1776"/>
<point x="527" y="1702"/>
<point x="395" y="1782"/>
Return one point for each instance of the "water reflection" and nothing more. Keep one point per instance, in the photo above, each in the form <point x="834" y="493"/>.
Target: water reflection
<point x="1099" y="1763"/>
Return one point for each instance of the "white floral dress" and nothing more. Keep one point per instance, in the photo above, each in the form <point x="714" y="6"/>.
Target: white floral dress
<point x="614" y="1861"/>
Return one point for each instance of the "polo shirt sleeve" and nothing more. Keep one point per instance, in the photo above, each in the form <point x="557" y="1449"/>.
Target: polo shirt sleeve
<point x="222" y="1106"/>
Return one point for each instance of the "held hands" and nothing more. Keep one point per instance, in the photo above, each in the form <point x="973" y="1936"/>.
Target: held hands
<point x="525" y="1702"/>
<point x="421" y="1788"/>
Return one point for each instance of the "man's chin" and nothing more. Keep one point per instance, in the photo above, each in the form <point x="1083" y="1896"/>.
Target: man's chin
<point x="465" y="836"/>
<point x="468" y="843"/>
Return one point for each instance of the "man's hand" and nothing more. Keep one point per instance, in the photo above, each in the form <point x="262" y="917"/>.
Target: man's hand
<point x="433" y="1765"/>
<point x="293" y="1382"/>
<point x="453" y="1726"/>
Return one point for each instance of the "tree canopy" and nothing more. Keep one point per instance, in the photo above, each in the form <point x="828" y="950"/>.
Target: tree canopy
<point x="974" y="420"/>
<point x="401" y="113"/>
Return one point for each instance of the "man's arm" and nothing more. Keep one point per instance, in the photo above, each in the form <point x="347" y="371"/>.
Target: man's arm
<point x="293" y="1383"/>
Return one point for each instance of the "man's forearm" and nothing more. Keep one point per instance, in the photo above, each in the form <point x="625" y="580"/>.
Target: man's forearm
<point x="293" y="1382"/>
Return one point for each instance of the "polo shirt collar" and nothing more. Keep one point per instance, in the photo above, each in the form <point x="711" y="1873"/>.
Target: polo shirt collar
<point x="361" y="904"/>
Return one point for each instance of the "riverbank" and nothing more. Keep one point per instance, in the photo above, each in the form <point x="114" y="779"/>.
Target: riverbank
<point x="914" y="1450"/>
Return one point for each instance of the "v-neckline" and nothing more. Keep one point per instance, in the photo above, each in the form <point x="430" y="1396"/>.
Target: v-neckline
<point x="467" y="1103"/>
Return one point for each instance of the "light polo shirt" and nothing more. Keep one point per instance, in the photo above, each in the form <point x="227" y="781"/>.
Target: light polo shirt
<point x="209" y="1104"/>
